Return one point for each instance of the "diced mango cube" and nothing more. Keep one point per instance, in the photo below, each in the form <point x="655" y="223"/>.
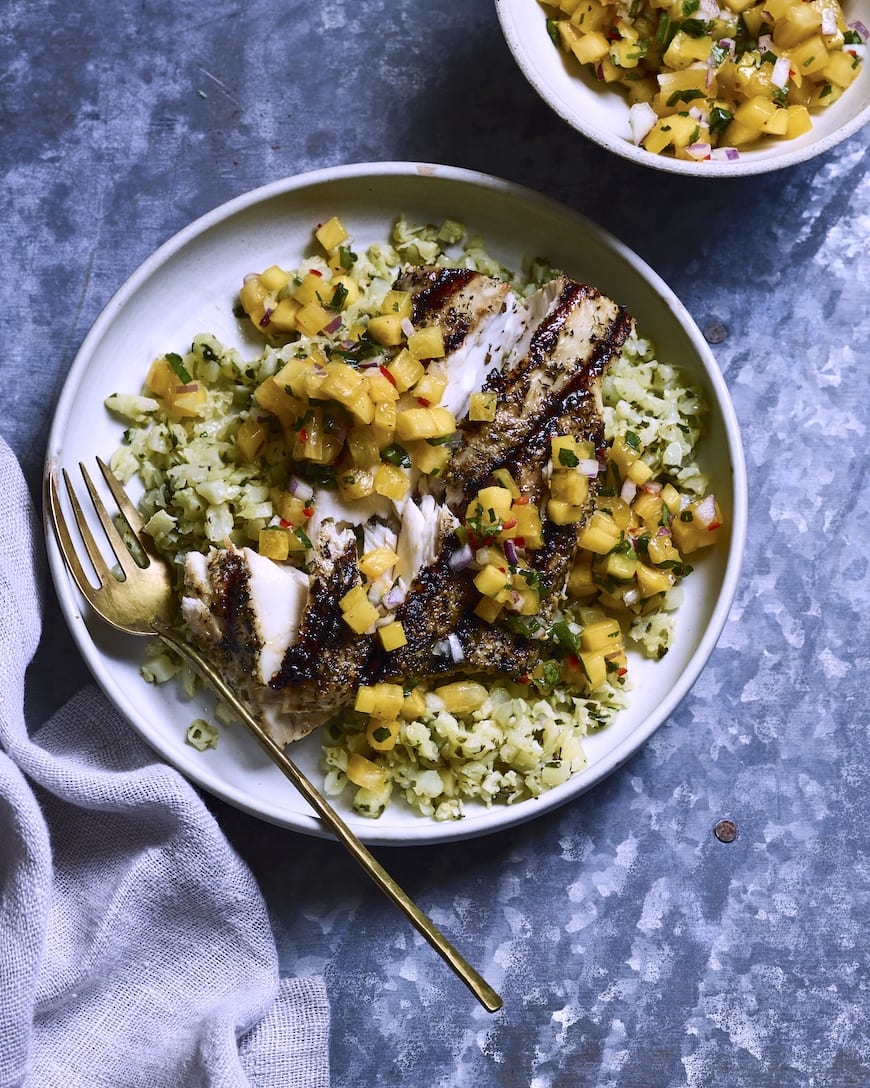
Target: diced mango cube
<point x="392" y="636"/>
<point x="427" y="343"/>
<point x="601" y="535"/>
<point x="434" y="422"/>
<point x="591" y="47"/>
<point x="381" y="734"/>
<point x="398" y="303"/>
<point x="488" y="609"/>
<point x="386" y="329"/>
<point x="569" y="487"/>
<point x="361" y="617"/>
<point x="430" y="389"/>
<point x="430" y="460"/>
<point x="462" y="696"/>
<point x="491" y="580"/>
<point x="406" y="370"/>
<point x="563" y="513"/>
<point x="377" y="561"/>
<point x="382" y="700"/>
<point x="312" y="318"/>
<point x="365" y="774"/>
<point x="526" y="526"/>
<point x="312" y="288"/>
<point x="391" y="481"/>
<point x="601" y="634"/>
<point x="331" y="234"/>
<point x="274" y="544"/>
<point x="274" y="279"/>
<point x="413" y="705"/>
<point x="251" y="437"/>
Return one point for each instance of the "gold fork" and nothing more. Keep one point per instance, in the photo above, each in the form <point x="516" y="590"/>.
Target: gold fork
<point x="142" y="602"/>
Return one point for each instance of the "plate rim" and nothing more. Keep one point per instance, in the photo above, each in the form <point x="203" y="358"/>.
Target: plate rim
<point x="430" y="831"/>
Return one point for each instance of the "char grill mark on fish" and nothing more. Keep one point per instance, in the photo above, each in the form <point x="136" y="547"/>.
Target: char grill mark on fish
<point x="440" y="604"/>
<point x="480" y="318"/>
<point x="230" y="606"/>
<point x="443" y="293"/>
<point x="433" y="607"/>
<point x="567" y="356"/>
<point x="326" y="659"/>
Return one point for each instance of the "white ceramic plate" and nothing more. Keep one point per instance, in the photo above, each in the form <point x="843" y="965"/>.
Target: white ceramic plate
<point x="190" y="285"/>
<point x="601" y="112"/>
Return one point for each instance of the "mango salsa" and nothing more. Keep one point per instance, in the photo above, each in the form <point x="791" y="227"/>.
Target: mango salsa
<point x="702" y="83"/>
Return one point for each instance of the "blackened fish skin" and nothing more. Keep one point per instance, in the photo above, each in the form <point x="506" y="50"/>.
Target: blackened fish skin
<point x="559" y="376"/>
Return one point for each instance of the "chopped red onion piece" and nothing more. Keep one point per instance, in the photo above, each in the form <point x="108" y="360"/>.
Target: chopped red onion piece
<point x="862" y="30"/>
<point x="764" y="43"/>
<point x="699" y="151"/>
<point x="705" y="511"/>
<point x="631" y="596"/>
<point x="641" y="118"/>
<point x="407" y="326"/>
<point x="456" y="650"/>
<point x="510" y="551"/>
<point x="191" y="387"/>
<point x="393" y="597"/>
<point x="266" y="318"/>
<point x="779" y="76"/>
<point x="628" y="491"/>
<point x="728" y="154"/>
<point x="334" y="325"/>
<point x="652" y="487"/>
<point x="829" y="21"/>
<point x="461" y="557"/>
<point x="299" y="488"/>
<point x="588" y="466"/>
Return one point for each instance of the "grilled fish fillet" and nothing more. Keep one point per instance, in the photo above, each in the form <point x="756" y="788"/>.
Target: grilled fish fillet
<point x="278" y="631"/>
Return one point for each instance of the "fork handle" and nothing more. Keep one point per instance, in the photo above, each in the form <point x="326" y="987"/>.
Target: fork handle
<point x="424" y="925"/>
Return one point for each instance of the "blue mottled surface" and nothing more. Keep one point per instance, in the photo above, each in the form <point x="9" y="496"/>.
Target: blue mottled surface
<point x="631" y="946"/>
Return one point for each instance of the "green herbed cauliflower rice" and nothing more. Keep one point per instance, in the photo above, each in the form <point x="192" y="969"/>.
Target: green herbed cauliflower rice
<point x="523" y="739"/>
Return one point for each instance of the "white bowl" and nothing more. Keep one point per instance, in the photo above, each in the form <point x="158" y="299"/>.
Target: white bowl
<point x="600" y="112"/>
<point x="191" y="284"/>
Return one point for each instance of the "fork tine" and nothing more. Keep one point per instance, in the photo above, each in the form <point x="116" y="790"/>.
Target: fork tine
<point x="100" y="566"/>
<point x="116" y="541"/>
<point x="65" y="540"/>
<point x="129" y="511"/>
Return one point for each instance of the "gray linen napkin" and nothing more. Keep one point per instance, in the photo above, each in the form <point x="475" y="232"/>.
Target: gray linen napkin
<point x="135" y="947"/>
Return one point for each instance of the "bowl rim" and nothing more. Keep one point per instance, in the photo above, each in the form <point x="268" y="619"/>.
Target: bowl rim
<point x="619" y="145"/>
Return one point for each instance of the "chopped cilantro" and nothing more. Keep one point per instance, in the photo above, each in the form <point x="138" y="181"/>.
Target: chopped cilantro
<point x="175" y="361"/>
<point x="346" y="258"/>
<point x="695" y="28"/>
<point x="685" y="96"/>
<point x="339" y="297"/>
<point x="568" y="458"/>
<point x="720" y="119"/>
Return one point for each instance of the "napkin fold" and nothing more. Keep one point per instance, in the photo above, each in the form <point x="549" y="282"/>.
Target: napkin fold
<point x="135" y="947"/>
